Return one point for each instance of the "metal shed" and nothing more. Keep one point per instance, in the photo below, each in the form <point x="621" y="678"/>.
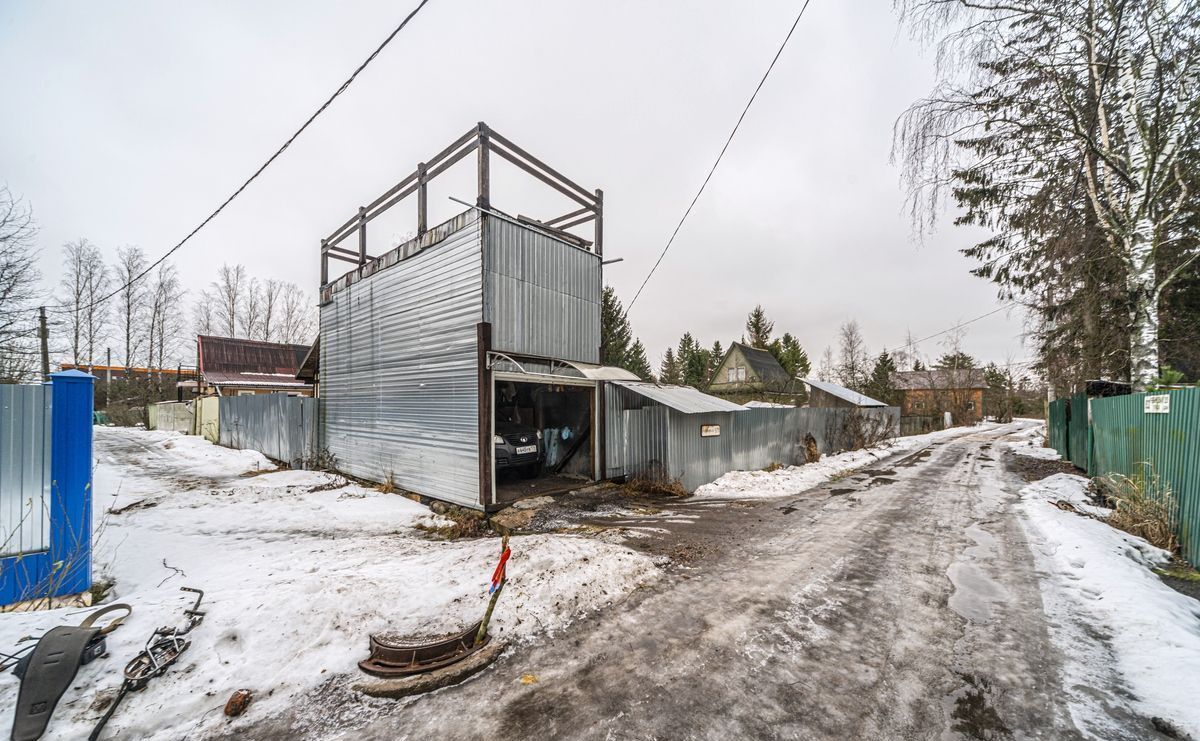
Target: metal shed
<point x="416" y="343"/>
<point x="679" y="433"/>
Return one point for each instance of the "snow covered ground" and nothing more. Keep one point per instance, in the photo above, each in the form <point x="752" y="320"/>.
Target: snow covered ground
<point x="795" y="479"/>
<point x="1098" y="581"/>
<point x="298" y="568"/>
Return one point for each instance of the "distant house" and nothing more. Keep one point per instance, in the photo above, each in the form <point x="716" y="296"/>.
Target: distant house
<point x="932" y="393"/>
<point x="749" y="369"/>
<point x="235" y="367"/>
<point x="830" y="395"/>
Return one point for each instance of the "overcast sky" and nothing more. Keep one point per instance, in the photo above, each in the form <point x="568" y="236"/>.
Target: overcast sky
<point x="127" y="123"/>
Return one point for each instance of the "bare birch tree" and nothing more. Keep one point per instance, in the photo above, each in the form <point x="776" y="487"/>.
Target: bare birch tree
<point x="229" y="290"/>
<point x="84" y="283"/>
<point x="18" y="289"/>
<point x="131" y="302"/>
<point x="297" y="322"/>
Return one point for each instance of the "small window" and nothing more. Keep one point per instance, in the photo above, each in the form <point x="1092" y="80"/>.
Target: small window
<point x="730" y="375"/>
<point x="741" y="373"/>
<point x="970" y="406"/>
<point x="918" y="405"/>
<point x="245" y="392"/>
<point x="710" y="430"/>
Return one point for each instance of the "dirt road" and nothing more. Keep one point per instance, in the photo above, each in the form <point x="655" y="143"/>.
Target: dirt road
<point x="899" y="602"/>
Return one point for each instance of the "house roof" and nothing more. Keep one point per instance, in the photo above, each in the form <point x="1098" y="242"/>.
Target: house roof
<point x="845" y="394"/>
<point x="682" y="398"/>
<point x="310" y="366"/>
<point x="230" y="361"/>
<point x="940" y="379"/>
<point x="763" y="363"/>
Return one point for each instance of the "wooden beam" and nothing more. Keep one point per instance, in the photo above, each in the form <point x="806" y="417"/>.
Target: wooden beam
<point x="547" y="168"/>
<point x="485" y="175"/>
<point x="544" y="178"/>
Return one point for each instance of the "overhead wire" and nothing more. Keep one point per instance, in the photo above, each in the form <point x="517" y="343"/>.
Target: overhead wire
<point x="341" y="89"/>
<point x="721" y="155"/>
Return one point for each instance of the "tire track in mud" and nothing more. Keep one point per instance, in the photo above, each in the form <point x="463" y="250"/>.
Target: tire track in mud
<point x="903" y="606"/>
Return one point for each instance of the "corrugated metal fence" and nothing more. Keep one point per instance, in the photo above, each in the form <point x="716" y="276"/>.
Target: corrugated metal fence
<point x="1129" y="440"/>
<point x="25" y="412"/>
<point x="1117" y="435"/>
<point x="645" y="438"/>
<point x="1079" y="431"/>
<point x="1058" y="427"/>
<point x="277" y="425"/>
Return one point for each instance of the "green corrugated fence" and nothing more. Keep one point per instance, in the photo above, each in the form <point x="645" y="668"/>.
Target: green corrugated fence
<point x="1079" y="432"/>
<point x="1127" y="439"/>
<point x="1057" y="427"/>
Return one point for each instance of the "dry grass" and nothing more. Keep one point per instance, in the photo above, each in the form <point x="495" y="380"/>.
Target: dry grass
<point x="1143" y="508"/>
<point x="459" y="527"/>
<point x="647" y="486"/>
<point x="773" y="467"/>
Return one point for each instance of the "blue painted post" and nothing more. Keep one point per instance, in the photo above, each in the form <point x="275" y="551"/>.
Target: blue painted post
<point x="71" y="482"/>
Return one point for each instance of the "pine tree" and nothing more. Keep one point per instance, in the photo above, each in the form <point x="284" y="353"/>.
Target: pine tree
<point x="957" y="360"/>
<point x="693" y="361"/>
<point x="637" y="363"/>
<point x="879" y="386"/>
<point x="791" y="356"/>
<point x="715" y="355"/>
<point x="759" y="328"/>
<point x="669" y="372"/>
<point x="621" y="349"/>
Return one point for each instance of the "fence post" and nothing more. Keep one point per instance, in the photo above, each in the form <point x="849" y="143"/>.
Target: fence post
<point x="71" y="482"/>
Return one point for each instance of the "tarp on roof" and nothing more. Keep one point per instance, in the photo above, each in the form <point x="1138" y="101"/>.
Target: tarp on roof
<point x="845" y="394"/>
<point x="682" y="398"/>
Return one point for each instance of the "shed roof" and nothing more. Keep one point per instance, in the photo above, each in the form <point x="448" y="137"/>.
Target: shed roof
<point x="845" y="394"/>
<point x="228" y="360"/>
<point x="763" y="363"/>
<point x="940" y="379"/>
<point x="681" y="398"/>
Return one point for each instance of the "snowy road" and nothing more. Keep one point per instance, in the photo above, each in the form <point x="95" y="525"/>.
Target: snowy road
<point x="899" y="602"/>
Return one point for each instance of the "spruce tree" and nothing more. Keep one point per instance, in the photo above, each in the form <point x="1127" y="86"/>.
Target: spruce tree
<point x="791" y="356"/>
<point x="669" y="372"/>
<point x="879" y="386"/>
<point x="759" y="329"/>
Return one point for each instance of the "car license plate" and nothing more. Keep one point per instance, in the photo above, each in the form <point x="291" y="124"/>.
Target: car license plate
<point x="523" y="449"/>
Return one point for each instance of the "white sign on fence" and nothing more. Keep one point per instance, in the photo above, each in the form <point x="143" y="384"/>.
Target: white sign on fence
<point x="1157" y="404"/>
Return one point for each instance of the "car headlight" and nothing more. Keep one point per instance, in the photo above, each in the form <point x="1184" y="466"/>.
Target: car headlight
<point x="497" y="440"/>
<point x="539" y="434"/>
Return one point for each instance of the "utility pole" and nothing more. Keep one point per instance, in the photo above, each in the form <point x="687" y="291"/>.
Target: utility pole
<point x="44" y="332"/>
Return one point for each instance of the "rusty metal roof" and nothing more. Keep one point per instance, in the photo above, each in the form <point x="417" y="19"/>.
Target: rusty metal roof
<point x="226" y="360"/>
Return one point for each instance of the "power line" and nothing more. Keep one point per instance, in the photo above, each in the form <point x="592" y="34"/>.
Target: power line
<point x="722" y="154"/>
<point x="997" y="310"/>
<point x="341" y="89"/>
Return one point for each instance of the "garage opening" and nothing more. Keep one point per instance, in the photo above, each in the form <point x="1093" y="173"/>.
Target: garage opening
<point x="543" y="437"/>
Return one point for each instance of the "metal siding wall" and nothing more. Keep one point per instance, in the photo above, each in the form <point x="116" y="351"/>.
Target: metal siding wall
<point x="1126" y="440"/>
<point x="279" y="426"/>
<point x="542" y="296"/>
<point x="398" y="371"/>
<point x="750" y="440"/>
<point x="25" y="427"/>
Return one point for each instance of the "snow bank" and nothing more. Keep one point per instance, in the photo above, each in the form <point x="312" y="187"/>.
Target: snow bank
<point x="795" y="479"/>
<point x="1102" y="575"/>
<point x="298" y="568"/>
